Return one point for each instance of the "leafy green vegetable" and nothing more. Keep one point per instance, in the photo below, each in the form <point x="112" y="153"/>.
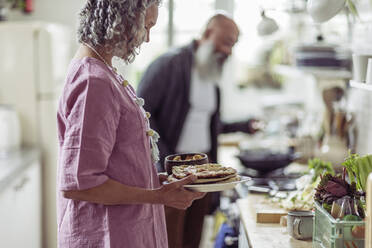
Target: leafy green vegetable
<point x="331" y="188"/>
<point x="350" y="4"/>
<point x="320" y="167"/>
<point x="327" y="207"/>
<point x="351" y="217"/>
<point x="358" y="169"/>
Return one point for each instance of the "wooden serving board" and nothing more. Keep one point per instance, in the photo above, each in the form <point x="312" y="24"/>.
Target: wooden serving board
<point x="266" y="211"/>
<point x="269" y="216"/>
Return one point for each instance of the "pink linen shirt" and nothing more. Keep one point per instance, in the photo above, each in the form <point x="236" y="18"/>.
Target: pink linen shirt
<point x="102" y="135"/>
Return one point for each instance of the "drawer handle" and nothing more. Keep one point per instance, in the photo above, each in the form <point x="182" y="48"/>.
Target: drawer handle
<point x="21" y="184"/>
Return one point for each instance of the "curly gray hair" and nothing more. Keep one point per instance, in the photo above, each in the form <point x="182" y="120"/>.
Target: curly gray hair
<point x="115" y="25"/>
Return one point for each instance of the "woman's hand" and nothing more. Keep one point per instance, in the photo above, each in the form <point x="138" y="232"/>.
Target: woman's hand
<point x="163" y="176"/>
<point x="175" y="195"/>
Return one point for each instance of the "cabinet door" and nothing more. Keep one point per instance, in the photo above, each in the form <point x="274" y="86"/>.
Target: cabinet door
<point x="243" y="239"/>
<point x="6" y="217"/>
<point x="20" y="211"/>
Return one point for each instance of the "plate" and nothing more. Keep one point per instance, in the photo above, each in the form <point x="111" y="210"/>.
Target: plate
<point x="215" y="187"/>
<point x="206" y="180"/>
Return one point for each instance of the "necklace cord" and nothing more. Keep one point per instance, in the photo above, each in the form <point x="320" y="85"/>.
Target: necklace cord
<point x="155" y="154"/>
<point x="98" y="54"/>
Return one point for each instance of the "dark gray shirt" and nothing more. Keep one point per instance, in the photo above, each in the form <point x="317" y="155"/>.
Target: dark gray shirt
<point x="165" y="86"/>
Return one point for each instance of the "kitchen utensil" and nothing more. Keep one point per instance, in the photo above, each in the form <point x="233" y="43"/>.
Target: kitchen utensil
<point x="264" y="160"/>
<point x="10" y="131"/>
<point x="170" y="162"/>
<point x="323" y="10"/>
<point x="300" y="224"/>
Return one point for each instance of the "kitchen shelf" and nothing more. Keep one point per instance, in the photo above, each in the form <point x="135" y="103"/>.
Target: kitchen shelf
<point x="318" y="72"/>
<point x="360" y="85"/>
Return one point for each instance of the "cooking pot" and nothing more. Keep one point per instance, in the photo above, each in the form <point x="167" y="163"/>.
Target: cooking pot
<point x="265" y="160"/>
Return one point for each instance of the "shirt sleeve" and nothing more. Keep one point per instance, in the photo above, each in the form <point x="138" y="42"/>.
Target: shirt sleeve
<point x="91" y="120"/>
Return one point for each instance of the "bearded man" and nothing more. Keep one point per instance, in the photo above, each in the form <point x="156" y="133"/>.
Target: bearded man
<point x="181" y="92"/>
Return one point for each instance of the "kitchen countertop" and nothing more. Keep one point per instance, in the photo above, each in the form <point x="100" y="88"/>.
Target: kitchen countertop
<point x="265" y="235"/>
<point x="259" y="235"/>
<point x="12" y="164"/>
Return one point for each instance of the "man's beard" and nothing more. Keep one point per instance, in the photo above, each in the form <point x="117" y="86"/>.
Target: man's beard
<point x="208" y="63"/>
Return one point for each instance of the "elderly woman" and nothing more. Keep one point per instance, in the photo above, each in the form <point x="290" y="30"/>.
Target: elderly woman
<point x="110" y="194"/>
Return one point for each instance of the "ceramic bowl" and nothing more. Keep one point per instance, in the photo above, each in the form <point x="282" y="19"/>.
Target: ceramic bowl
<point x="169" y="161"/>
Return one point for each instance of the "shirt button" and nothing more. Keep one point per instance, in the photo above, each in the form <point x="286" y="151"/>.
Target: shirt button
<point x="125" y="83"/>
<point x="140" y="101"/>
<point x="150" y="132"/>
<point x="148" y="115"/>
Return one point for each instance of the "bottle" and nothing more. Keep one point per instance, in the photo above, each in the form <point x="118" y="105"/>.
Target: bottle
<point x="28" y="6"/>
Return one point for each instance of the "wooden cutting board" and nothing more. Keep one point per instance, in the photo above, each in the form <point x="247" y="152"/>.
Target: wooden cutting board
<point x="266" y="211"/>
<point x="269" y="216"/>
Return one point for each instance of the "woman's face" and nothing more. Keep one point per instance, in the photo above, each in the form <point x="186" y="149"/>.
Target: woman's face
<point x="146" y="21"/>
<point x="151" y="16"/>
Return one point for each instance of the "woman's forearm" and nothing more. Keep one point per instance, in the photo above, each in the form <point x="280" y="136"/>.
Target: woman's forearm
<point x="114" y="193"/>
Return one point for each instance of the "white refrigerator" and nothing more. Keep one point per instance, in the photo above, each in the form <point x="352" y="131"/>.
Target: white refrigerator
<point x="34" y="57"/>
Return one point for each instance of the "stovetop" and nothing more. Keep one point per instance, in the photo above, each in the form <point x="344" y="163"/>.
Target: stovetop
<point x="278" y="173"/>
<point x="274" y="181"/>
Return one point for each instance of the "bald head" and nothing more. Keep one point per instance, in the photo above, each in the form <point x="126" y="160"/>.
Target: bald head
<point x="223" y="32"/>
<point x="219" y="20"/>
